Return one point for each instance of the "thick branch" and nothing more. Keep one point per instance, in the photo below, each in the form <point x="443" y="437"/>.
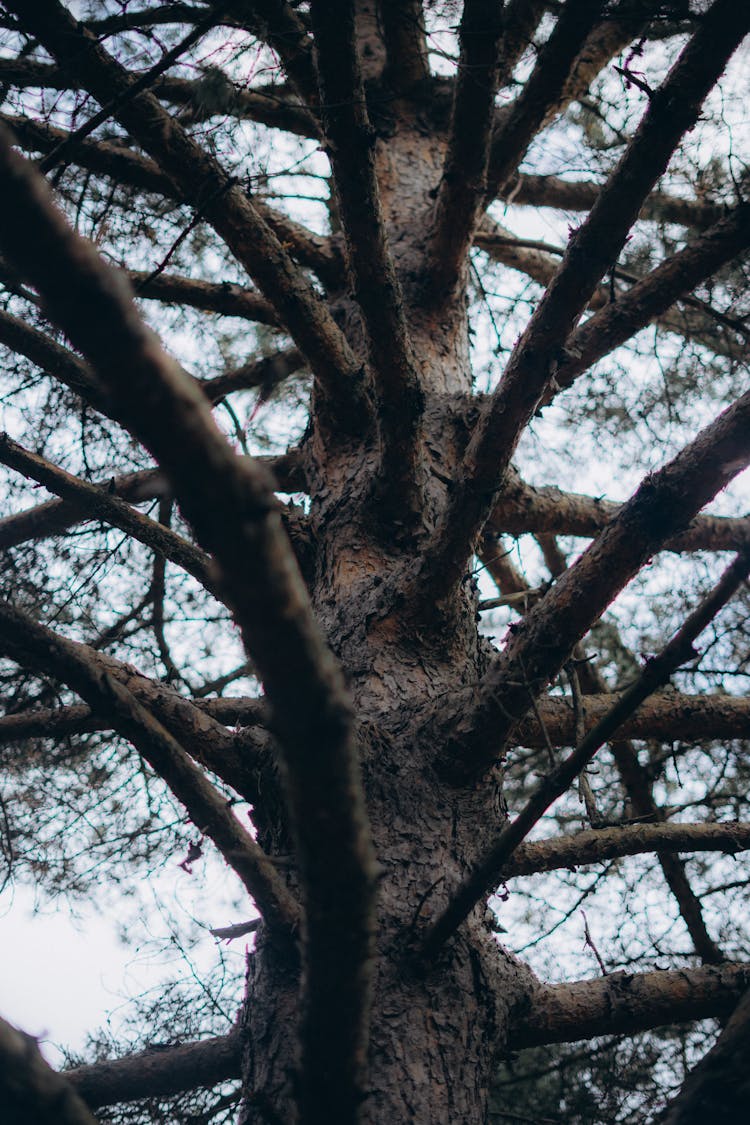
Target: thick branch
<point x="405" y="43"/>
<point x="158" y="1073"/>
<point x="463" y="186"/>
<point x="625" y="1003"/>
<point x="55" y="516"/>
<point x="241" y="223"/>
<point x="536" y="357"/>
<point x="621" y="1003"/>
<point x="224" y="297"/>
<point x="230" y="503"/>
<point x="666" y="716"/>
<point x="523" y="508"/>
<point x="610" y="843"/>
<point x="679" y="650"/>
<point x="581" y="195"/>
<point x="376" y="286"/>
<point x="663" y="504"/>
<point x="518" y="124"/>
<point x="30" y="1090"/>
<point x="718" y="1088"/>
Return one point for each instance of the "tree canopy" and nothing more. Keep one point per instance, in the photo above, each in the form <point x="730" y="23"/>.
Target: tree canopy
<point x="383" y="366"/>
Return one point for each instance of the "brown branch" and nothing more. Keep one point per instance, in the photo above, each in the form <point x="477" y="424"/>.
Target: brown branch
<point x="224" y="297"/>
<point x="54" y="517"/>
<point x="30" y="1090"/>
<point x="581" y="195"/>
<point x="666" y="716"/>
<point x="652" y="296"/>
<point x="534" y="361"/>
<point x="405" y="43"/>
<point x="276" y="22"/>
<point x="225" y="205"/>
<point x="694" y="320"/>
<point x="150" y="1073"/>
<point x="350" y="140"/>
<point x="601" y="844"/>
<point x="517" y="124"/>
<point x="718" y="1088"/>
<point x="32" y="644"/>
<point x="625" y="1003"/>
<point x="231" y="505"/>
<point x="523" y="508"/>
<point x="621" y="1003"/>
<point x="663" y="504"/>
<point x="679" y="650"/>
<point x="99" y="504"/>
<point x="61" y="363"/>
<point x="463" y="185"/>
<point x="212" y="746"/>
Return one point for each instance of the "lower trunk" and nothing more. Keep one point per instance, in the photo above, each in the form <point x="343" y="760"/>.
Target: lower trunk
<point x="434" y="1038"/>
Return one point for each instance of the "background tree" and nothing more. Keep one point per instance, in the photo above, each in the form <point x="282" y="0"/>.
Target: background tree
<point x="482" y="257"/>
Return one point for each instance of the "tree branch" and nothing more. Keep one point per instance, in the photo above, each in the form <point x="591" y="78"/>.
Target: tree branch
<point x="625" y="1003"/>
<point x="601" y="844"/>
<point x="534" y="361"/>
<point x="523" y="508"/>
<point x="405" y="43"/>
<point x="666" y="716"/>
<point x="222" y="297"/>
<point x="31" y="1090"/>
<point x="665" y="502"/>
<point x="463" y="185"/>
<point x="581" y="195"/>
<point x="241" y="223"/>
<point x="350" y="141"/>
<point x="620" y="1003"/>
<point x="96" y="503"/>
<point x="517" y="124"/>
<point x="54" y="517"/>
<point x="32" y="644"/>
<point x="655" y="674"/>
<point x="231" y="505"/>
<point x="160" y="1073"/>
<point x="718" y="1088"/>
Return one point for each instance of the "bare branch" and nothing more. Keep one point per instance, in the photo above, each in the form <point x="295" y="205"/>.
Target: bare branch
<point x="225" y="297"/>
<point x="694" y="320"/>
<point x="230" y="503"/>
<point x="664" y="716"/>
<point x="601" y="844"/>
<point x="654" y="675"/>
<point x="32" y="644"/>
<point x="463" y="186"/>
<point x="624" y="1003"/>
<point x="55" y="516"/>
<point x="160" y="1073"/>
<point x="218" y="197"/>
<point x="534" y="361"/>
<point x="99" y="504"/>
<point x="523" y="508"/>
<point x="718" y="1088"/>
<point x="517" y="124"/>
<point x="277" y="23"/>
<point x="581" y="195"/>
<point x="405" y="44"/>
<point x="30" y="1089"/>
<point x="378" y="291"/>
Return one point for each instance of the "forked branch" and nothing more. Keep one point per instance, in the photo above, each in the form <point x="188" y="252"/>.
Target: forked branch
<point x="231" y="505"/>
<point x="655" y="674"/>
<point x="673" y="109"/>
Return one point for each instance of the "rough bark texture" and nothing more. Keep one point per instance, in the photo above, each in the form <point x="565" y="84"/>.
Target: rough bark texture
<point x="375" y="761"/>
